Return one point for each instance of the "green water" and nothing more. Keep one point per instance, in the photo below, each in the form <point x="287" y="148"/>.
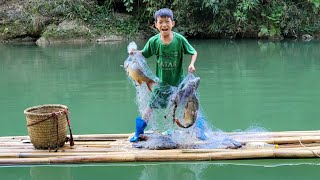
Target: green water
<point x="244" y="84"/>
<point x="242" y="170"/>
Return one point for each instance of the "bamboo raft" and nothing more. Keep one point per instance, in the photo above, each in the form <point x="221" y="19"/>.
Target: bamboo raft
<point x="107" y="148"/>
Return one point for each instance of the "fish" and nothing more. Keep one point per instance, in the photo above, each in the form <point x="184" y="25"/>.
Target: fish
<point x="136" y="69"/>
<point x="188" y="88"/>
<point x="136" y="73"/>
<point x="190" y="112"/>
<point x="186" y="94"/>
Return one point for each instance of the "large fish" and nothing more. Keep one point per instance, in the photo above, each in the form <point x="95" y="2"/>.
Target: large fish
<point x="136" y="67"/>
<point x="186" y="95"/>
<point x="190" y="112"/>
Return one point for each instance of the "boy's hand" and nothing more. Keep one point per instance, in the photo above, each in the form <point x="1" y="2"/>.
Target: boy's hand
<point x="191" y="68"/>
<point x="131" y="52"/>
<point x="134" y="51"/>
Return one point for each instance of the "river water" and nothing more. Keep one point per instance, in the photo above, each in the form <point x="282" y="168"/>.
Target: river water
<point x="244" y="85"/>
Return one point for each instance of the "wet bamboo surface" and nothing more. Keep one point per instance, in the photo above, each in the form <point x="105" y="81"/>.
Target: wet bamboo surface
<point x="107" y="148"/>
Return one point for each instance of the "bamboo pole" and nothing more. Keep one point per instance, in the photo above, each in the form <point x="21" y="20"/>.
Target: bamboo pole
<point x="81" y="143"/>
<point x="204" y="150"/>
<point x="15" y="145"/>
<point x="299" y="145"/>
<point x="22" y="161"/>
<point x="279" y="133"/>
<point x="4" y="144"/>
<point x="93" y="143"/>
<point x="283" y="140"/>
<point x="64" y="150"/>
<point x="56" y="154"/>
<point x="16" y="138"/>
<point x="87" y="137"/>
<point x="98" y="159"/>
<point x="82" y="137"/>
<point x="158" y="156"/>
<point x="22" y="148"/>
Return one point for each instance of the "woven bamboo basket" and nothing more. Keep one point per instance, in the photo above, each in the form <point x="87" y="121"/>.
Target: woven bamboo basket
<point x="47" y="125"/>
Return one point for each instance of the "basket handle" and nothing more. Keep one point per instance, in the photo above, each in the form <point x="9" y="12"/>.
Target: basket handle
<point x="71" y="140"/>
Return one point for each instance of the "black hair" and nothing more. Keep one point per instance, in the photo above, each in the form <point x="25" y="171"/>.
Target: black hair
<point x="165" y="12"/>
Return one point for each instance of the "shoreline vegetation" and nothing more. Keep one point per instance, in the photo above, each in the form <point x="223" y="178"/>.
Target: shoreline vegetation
<point x="53" y="21"/>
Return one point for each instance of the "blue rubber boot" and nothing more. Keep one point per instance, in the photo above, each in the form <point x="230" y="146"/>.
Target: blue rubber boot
<point x="140" y="126"/>
<point x="200" y="125"/>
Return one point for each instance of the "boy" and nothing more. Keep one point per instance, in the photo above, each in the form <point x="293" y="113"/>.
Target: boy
<point x="169" y="47"/>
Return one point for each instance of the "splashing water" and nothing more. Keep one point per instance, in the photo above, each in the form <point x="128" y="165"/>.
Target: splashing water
<point x="166" y="134"/>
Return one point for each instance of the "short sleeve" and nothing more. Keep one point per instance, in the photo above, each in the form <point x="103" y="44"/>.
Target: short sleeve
<point x="188" y="49"/>
<point x="147" y="49"/>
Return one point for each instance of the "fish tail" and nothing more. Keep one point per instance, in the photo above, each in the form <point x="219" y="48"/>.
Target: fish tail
<point x="132" y="46"/>
<point x="179" y="124"/>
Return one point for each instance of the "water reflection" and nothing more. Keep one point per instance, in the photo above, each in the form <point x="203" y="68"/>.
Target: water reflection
<point x="294" y="169"/>
<point x="170" y="171"/>
<point x="49" y="173"/>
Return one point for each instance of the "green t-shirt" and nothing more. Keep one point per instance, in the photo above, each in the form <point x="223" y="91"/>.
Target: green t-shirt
<point x="169" y="57"/>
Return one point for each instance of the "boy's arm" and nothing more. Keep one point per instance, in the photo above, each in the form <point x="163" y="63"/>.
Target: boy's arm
<point x="188" y="49"/>
<point x="147" y="50"/>
<point x="191" y="67"/>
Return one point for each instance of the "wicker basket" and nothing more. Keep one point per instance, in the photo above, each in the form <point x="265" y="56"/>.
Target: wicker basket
<point x="47" y="125"/>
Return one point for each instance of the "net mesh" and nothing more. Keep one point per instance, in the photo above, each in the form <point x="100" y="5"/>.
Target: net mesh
<point x="165" y="105"/>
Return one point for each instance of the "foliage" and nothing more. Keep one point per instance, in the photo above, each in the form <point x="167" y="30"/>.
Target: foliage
<point x="263" y="18"/>
<point x="196" y="18"/>
<point x="101" y="18"/>
<point x="128" y="5"/>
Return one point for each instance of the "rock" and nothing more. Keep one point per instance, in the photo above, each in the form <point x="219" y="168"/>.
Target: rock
<point x="67" y="25"/>
<point x="42" y="42"/>
<point x="307" y="37"/>
<point x="109" y="38"/>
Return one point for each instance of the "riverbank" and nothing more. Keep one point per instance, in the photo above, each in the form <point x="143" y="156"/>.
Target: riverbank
<point x="47" y="22"/>
<point x="52" y="22"/>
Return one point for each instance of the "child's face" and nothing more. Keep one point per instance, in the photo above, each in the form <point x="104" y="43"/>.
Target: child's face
<point x="164" y="25"/>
